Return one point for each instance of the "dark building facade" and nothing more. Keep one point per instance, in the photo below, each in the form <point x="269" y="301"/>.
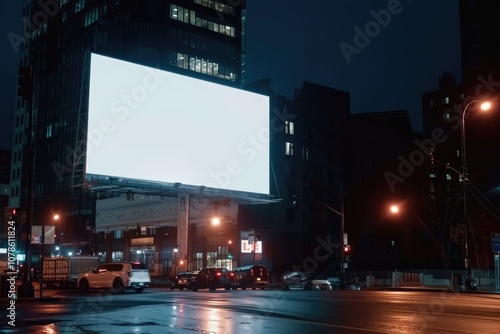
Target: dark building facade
<point x="203" y="39"/>
<point x="479" y="34"/>
<point x="5" y="159"/>
<point x="381" y="143"/>
<point x="308" y="152"/>
<point x="454" y="110"/>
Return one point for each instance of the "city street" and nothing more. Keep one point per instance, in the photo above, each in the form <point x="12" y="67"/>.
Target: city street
<point x="160" y="310"/>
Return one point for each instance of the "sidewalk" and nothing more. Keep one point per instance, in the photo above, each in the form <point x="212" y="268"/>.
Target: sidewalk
<point x="48" y="295"/>
<point x="481" y="289"/>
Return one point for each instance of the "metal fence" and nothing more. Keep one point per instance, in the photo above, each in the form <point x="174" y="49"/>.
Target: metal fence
<point x="416" y="277"/>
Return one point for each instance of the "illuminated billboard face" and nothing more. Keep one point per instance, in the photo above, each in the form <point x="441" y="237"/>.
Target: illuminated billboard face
<point x="154" y="125"/>
<point x="247" y="247"/>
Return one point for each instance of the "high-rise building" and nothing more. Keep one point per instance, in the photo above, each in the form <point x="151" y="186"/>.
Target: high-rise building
<point x="4" y="194"/>
<point x="453" y="111"/>
<point x="479" y="32"/>
<point x="199" y="38"/>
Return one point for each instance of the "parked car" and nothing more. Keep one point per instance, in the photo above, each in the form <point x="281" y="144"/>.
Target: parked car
<point x="336" y="284"/>
<point x="253" y="276"/>
<point x="192" y="279"/>
<point x="182" y="280"/>
<point x="212" y="279"/>
<point x="116" y="276"/>
<point x="470" y="283"/>
<point x="304" y="281"/>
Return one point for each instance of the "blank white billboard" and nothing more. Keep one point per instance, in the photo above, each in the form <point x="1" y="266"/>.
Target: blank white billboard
<point x="154" y="125"/>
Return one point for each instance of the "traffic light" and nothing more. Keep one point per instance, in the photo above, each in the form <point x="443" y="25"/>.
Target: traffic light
<point x="10" y="214"/>
<point x="229" y="253"/>
<point x="347" y="253"/>
<point x="24" y="83"/>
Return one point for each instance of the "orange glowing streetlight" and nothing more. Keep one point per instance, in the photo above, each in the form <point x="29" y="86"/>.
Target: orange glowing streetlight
<point x="485" y="105"/>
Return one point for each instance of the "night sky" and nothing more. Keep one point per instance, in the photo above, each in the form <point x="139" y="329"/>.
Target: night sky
<point x="386" y="67"/>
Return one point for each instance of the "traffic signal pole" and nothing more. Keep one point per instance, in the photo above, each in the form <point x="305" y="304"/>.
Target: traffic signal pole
<point x="341" y="243"/>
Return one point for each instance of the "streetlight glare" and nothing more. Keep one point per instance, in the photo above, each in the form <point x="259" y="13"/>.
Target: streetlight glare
<point x="56" y="217"/>
<point x="216" y="221"/>
<point x="485" y="106"/>
<point x="394" y="209"/>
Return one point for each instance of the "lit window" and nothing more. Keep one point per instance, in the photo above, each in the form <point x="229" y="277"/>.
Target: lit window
<point x="288" y="148"/>
<point x="48" y="132"/>
<point x="289" y="128"/>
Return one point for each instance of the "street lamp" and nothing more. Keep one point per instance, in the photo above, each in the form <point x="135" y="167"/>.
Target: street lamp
<point x="484" y="106"/>
<point x="176" y="251"/>
<point x="54" y="219"/>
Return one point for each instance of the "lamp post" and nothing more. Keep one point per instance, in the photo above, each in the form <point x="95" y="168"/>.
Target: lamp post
<point x="176" y="251"/>
<point x="55" y="218"/>
<point x="484" y="106"/>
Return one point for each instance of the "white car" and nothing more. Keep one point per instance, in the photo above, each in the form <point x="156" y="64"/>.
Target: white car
<point x="117" y="277"/>
<point x="303" y="281"/>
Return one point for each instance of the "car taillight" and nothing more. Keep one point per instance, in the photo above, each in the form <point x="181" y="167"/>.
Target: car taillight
<point x="218" y="274"/>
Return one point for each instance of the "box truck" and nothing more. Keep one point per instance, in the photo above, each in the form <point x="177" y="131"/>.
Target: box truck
<point x="64" y="271"/>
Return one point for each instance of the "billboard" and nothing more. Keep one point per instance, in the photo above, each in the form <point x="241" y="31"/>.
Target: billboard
<point x="247" y="247"/>
<point x="154" y="125"/>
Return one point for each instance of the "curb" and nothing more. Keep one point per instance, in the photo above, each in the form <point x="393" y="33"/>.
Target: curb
<point x="438" y="289"/>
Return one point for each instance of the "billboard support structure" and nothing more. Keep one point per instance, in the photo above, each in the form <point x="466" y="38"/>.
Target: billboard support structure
<point x="182" y="231"/>
<point x="79" y="153"/>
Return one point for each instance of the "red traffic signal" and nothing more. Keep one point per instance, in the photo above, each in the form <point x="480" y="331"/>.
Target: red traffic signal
<point x="347" y="249"/>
